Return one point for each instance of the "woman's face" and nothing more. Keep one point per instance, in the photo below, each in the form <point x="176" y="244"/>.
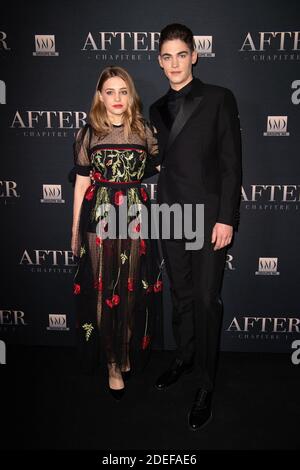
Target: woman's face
<point x="115" y="96"/>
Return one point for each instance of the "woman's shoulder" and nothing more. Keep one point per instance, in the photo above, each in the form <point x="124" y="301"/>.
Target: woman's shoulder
<point x="149" y="127"/>
<point x="83" y="130"/>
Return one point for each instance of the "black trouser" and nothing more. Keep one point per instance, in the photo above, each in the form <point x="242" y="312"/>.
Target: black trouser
<point x="195" y="281"/>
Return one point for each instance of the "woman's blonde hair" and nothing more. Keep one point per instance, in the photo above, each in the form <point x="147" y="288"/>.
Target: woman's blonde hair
<point x="132" y="118"/>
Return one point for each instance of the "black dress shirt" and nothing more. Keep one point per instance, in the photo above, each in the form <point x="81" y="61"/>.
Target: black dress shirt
<point x="175" y="99"/>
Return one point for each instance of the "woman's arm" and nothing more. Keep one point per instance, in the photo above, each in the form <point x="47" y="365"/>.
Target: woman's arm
<point x="81" y="185"/>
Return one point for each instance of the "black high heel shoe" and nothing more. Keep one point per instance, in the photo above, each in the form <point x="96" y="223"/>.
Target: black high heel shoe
<point x="126" y="375"/>
<point x="117" y="394"/>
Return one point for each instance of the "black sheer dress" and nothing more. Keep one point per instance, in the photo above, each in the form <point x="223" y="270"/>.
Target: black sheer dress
<point x="118" y="282"/>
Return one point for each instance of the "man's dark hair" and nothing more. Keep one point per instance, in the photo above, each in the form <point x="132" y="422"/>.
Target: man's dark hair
<point x="177" y="31"/>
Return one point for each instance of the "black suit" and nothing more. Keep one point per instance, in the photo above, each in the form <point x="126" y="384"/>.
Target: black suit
<point x="201" y="163"/>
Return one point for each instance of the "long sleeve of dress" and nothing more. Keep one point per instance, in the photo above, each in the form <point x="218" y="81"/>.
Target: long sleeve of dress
<point x="82" y="161"/>
<point x="153" y="158"/>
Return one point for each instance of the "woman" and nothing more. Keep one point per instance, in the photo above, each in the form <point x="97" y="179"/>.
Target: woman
<point x="118" y="280"/>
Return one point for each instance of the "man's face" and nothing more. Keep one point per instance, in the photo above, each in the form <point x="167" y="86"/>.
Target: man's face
<point x="176" y="59"/>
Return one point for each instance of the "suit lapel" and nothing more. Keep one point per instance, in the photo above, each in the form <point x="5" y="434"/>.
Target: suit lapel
<point x="164" y="114"/>
<point x="189" y="105"/>
<point x="164" y="125"/>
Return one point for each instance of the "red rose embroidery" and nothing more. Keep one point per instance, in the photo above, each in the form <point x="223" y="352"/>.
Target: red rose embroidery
<point x="144" y="194"/>
<point x="143" y="245"/>
<point x="90" y="193"/>
<point x="115" y="300"/>
<point x="158" y="286"/>
<point x="109" y="303"/>
<point x="137" y="228"/>
<point x="130" y="285"/>
<point x="98" y="241"/>
<point x="76" y="289"/>
<point x="97" y="176"/>
<point x="149" y="289"/>
<point x="100" y="285"/>
<point x="145" y="342"/>
<point x="119" y="198"/>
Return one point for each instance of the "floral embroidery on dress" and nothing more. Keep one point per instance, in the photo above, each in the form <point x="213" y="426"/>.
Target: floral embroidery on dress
<point x="82" y="251"/>
<point x="88" y="327"/>
<point x="120" y="165"/>
<point x="117" y="283"/>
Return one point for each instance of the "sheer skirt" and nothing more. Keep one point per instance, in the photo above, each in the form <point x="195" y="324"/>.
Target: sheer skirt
<point x="118" y="294"/>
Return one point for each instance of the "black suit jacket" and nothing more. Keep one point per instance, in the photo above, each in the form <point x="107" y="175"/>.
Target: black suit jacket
<point x="201" y="152"/>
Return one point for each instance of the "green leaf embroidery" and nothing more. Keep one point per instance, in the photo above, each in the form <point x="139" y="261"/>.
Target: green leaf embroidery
<point x="124" y="257"/>
<point x="88" y="327"/>
<point x="82" y="251"/>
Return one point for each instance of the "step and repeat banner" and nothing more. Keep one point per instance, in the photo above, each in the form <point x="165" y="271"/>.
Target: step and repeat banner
<point x="51" y="54"/>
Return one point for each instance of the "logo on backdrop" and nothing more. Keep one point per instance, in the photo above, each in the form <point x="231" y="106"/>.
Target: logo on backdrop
<point x="8" y="191"/>
<point x="52" y="193"/>
<point x="48" y="261"/>
<point x="58" y="321"/>
<point x="204" y="46"/>
<point x="45" y="45"/>
<point x="267" y="266"/>
<point x="10" y="320"/>
<point x="121" y="46"/>
<point x="133" y="46"/>
<point x="268" y="46"/>
<point x="277" y="126"/>
<point x="3" y="42"/>
<point x="2" y="92"/>
<point x="271" y="197"/>
<point x="263" y="328"/>
<point x="48" y="123"/>
<point x="296" y="94"/>
<point x="151" y="189"/>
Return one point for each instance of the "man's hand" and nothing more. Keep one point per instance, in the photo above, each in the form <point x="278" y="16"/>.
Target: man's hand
<point x="222" y="235"/>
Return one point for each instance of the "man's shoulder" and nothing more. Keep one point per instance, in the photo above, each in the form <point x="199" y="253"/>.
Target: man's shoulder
<point x="158" y="102"/>
<point x="216" y="91"/>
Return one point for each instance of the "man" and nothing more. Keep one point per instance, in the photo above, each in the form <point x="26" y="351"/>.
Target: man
<point x="198" y="133"/>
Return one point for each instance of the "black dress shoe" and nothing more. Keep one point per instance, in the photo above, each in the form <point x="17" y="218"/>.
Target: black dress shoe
<point x="117" y="394"/>
<point x="200" y="413"/>
<point x="172" y="375"/>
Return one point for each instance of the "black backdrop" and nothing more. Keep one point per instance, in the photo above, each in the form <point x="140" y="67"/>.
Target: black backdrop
<point x="51" y="54"/>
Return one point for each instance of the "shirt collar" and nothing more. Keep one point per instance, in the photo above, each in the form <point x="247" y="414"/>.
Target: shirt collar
<point x="174" y="94"/>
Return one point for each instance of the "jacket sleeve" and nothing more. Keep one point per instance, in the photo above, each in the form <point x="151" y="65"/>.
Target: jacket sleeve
<point x="230" y="164"/>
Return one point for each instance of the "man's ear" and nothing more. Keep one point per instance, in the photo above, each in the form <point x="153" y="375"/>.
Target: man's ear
<point x="160" y="61"/>
<point x="194" y="57"/>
